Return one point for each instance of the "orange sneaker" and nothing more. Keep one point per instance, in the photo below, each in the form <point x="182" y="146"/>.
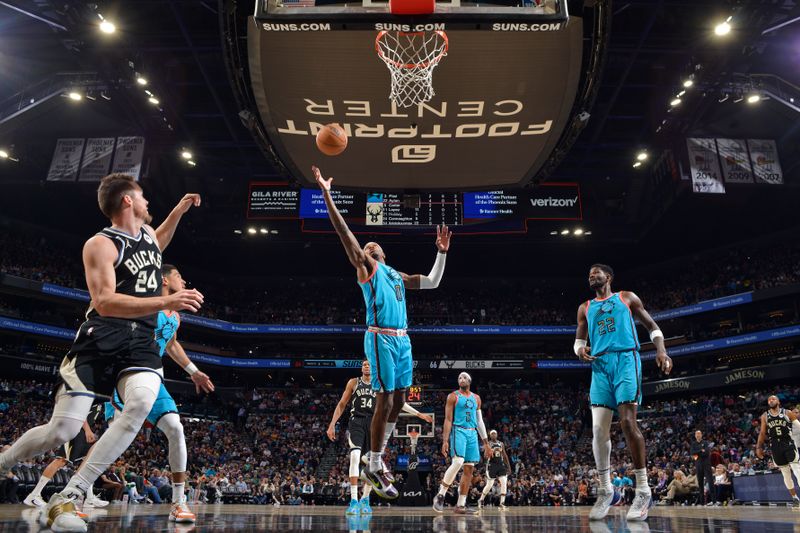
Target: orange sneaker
<point x="181" y="514"/>
<point x="83" y="516"/>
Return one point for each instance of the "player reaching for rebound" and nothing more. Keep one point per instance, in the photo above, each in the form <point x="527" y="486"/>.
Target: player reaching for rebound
<point x="361" y="411"/>
<point x="779" y="425"/>
<point x="386" y="342"/>
<point x="164" y="413"/>
<point x="114" y="348"/>
<point x="613" y="351"/>
<point x="497" y="468"/>
<point x="463" y="423"/>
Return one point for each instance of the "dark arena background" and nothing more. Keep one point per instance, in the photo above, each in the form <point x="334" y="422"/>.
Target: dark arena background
<point x="660" y="137"/>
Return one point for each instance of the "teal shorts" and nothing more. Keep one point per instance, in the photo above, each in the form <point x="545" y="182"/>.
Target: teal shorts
<point x="616" y="379"/>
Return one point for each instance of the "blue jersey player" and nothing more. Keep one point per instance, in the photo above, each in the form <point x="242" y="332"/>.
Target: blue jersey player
<point x="164" y="413"/>
<point x="386" y="342"/>
<point x="613" y="350"/>
<point x="463" y="424"/>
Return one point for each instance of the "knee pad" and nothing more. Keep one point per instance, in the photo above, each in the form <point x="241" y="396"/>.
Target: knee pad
<point x="503" y="484"/>
<point x="452" y="470"/>
<point x="787" y="476"/>
<point x="457" y="463"/>
<point x="355" y="461"/>
<point x="139" y="391"/>
<point x="171" y="425"/>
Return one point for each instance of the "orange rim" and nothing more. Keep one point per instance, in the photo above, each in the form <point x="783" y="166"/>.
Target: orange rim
<point x="397" y="64"/>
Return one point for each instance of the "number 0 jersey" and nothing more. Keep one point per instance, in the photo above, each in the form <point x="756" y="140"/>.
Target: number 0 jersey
<point x="385" y="296"/>
<point x="465" y="412"/>
<point x="611" y="326"/>
<point x="363" y="401"/>
<point x="137" y="269"/>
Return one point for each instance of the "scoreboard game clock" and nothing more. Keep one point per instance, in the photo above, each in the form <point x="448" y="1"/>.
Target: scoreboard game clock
<point x="414" y="395"/>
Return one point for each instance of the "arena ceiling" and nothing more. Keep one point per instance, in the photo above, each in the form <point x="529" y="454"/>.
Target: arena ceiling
<point x="177" y="46"/>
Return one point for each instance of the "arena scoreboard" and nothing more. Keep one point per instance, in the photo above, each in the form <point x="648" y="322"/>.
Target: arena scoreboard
<point x="392" y="209"/>
<point x="414" y="395"/>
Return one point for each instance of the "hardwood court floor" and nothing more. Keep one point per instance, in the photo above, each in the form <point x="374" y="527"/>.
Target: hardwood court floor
<point x="153" y="518"/>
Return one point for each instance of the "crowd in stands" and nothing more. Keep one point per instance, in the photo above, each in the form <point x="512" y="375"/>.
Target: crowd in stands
<point x="755" y="266"/>
<point x="269" y="445"/>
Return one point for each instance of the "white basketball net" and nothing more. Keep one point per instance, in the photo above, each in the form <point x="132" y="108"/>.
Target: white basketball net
<point x="411" y="58"/>
<point x="414" y="436"/>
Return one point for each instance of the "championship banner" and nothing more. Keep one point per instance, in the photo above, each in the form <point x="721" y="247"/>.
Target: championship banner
<point x="128" y="156"/>
<point x="704" y="164"/>
<point x="764" y="156"/>
<point x="735" y="161"/>
<point x="96" y="158"/>
<point x="66" y="160"/>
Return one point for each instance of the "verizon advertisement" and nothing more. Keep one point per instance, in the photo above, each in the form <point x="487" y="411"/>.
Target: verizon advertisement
<point x="501" y="102"/>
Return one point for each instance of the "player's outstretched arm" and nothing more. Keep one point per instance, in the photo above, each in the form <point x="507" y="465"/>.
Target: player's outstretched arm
<point x="762" y="436"/>
<point x="431" y="281"/>
<point x="340" y="407"/>
<point x="663" y="361"/>
<point x="99" y="257"/>
<point x="167" y="228"/>
<point x="355" y="253"/>
<point x="448" y="422"/>
<point x="200" y="379"/>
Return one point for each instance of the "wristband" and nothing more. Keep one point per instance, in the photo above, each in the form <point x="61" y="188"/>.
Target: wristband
<point x="190" y="368"/>
<point x="655" y="334"/>
<point x="579" y="343"/>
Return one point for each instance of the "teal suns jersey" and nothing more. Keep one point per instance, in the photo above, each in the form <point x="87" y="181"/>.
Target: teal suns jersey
<point x="385" y="296"/>
<point x="465" y="412"/>
<point x="611" y="326"/>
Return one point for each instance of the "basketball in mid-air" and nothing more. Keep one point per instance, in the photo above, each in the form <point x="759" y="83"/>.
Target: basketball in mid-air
<point x="331" y="139"/>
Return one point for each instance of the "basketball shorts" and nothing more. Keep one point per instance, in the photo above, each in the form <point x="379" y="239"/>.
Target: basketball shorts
<point x="464" y="443"/>
<point x="75" y="450"/>
<point x="163" y="405"/>
<point x="495" y="469"/>
<point x="783" y="455"/>
<point x="358" y="436"/>
<point x="616" y="379"/>
<point x="390" y="361"/>
<point x="103" y="350"/>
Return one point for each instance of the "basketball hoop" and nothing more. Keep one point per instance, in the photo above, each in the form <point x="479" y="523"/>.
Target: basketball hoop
<point x="411" y="58"/>
<point x="413" y="435"/>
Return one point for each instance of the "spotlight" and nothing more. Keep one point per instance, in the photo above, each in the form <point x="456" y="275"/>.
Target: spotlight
<point x="141" y="80"/>
<point x="578" y="232"/>
<point x="107" y="27"/>
<point x="186" y="154"/>
<point x="75" y="96"/>
<point x="587" y="232"/>
<point x="263" y="231"/>
<point x="637" y="164"/>
<point x="553" y="233"/>
<point x="564" y="232"/>
<point x="237" y="231"/>
<point x="675" y="102"/>
<point x="688" y="83"/>
<point x="681" y="93"/>
<point x="251" y="231"/>
<point x="641" y="156"/>
<point x="273" y="231"/>
<point x="753" y="98"/>
<point x="723" y="28"/>
<point x="191" y="163"/>
<point x="153" y="100"/>
<point x="3" y="154"/>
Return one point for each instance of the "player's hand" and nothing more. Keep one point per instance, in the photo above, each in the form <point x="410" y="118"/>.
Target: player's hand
<point x="185" y="300"/>
<point x="585" y="354"/>
<point x="91" y="438"/>
<point x="664" y="362"/>
<point x="188" y="200"/>
<point x="202" y="382"/>
<point x="331" y="433"/>
<point x="443" y="238"/>
<point x="426" y="418"/>
<point x="324" y="184"/>
<point x="760" y="453"/>
<point x="487" y="451"/>
<point x="445" y="448"/>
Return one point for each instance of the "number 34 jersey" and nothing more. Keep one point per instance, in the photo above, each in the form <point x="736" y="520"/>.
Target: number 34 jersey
<point x="137" y="269"/>
<point x="363" y="402"/>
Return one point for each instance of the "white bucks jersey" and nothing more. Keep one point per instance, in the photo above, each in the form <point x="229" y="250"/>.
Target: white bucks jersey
<point x="137" y="268"/>
<point x="363" y="402"/>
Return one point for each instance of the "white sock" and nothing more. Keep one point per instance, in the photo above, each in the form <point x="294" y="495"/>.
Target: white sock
<point x="353" y="492"/>
<point x="388" y="433"/>
<point x="502" y="499"/>
<point x="89" y="493"/>
<point x="641" y="480"/>
<point x="366" y="492"/>
<point x="177" y="492"/>
<point x="44" y="480"/>
<point x="443" y="490"/>
<point x="605" y="480"/>
<point x="375" y="461"/>
<point x="462" y="500"/>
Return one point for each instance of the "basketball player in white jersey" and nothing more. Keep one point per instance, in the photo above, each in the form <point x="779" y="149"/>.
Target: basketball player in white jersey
<point x="114" y="348"/>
